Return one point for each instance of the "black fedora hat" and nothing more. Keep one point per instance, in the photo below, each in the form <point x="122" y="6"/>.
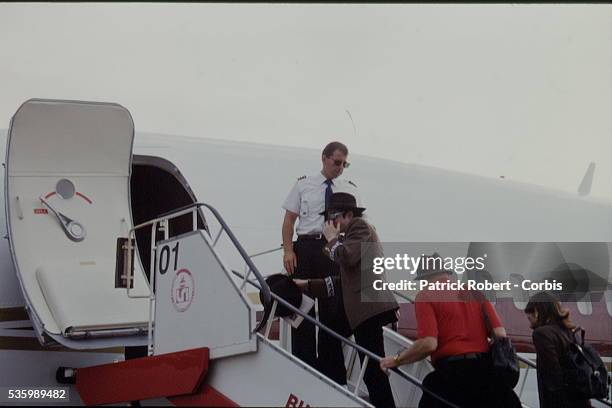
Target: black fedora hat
<point x="286" y="288"/>
<point x="343" y="202"/>
<point x="431" y="265"/>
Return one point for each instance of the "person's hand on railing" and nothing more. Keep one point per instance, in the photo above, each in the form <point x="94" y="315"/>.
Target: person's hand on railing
<point x="389" y="362"/>
<point x="290" y="261"/>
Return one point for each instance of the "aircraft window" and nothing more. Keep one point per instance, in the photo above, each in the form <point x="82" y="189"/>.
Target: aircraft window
<point x="520" y="297"/>
<point x="585" y="307"/>
<point x="65" y="189"/>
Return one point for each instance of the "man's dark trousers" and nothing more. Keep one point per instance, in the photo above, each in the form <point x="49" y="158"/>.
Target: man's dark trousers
<point x="467" y="383"/>
<point x="369" y="335"/>
<point x="312" y="263"/>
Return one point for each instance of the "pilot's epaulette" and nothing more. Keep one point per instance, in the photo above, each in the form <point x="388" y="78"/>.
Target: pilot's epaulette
<point x="301" y="178"/>
<point x="351" y="183"/>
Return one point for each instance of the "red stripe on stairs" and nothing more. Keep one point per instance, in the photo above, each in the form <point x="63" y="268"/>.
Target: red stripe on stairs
<point x="158" y="376"/>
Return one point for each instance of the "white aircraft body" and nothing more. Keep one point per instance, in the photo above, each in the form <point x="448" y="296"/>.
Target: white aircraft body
<point x="78" y="178"/>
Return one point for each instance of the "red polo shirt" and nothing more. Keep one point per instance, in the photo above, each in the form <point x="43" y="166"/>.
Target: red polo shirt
<point x="458" y="325"/>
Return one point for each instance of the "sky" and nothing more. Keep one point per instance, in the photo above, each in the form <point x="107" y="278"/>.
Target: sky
<point x="519" y="91"/>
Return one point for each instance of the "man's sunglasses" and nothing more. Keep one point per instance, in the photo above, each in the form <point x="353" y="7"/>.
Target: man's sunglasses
<point x="334" y="215"/>
<point x="342" y="163"/>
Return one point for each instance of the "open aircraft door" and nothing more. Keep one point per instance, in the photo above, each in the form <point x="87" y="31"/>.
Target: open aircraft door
<point x="68" y="206"/>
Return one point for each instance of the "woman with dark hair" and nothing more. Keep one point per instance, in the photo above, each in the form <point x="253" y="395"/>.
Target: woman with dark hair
<point x="552" y="333"/>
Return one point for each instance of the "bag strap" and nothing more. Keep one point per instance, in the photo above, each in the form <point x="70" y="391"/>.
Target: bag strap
<point x="580" y="347"/>
<point x="487" y="321"/>
<point x="582" y="333"/>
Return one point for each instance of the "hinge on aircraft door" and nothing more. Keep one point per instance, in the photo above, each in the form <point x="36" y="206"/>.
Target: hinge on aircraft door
<point x="122" y="272"/>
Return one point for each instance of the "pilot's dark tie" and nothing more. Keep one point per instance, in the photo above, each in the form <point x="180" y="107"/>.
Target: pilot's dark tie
<point x="328" y="193"/>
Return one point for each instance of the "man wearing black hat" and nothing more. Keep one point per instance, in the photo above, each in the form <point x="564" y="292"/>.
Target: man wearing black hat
<point x="304" y="259"/>
<point x="367" y="310"/>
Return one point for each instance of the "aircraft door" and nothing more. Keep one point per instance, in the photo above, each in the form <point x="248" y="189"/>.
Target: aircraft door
<point x="67" y="202"/>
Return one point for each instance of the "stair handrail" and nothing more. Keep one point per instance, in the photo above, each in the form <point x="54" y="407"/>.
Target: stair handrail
<point x="163" y="219"/>
<point x="348" y="342"/>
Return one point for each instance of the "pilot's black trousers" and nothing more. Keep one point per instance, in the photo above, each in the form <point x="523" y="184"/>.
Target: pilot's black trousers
<point x="312" y="263"/>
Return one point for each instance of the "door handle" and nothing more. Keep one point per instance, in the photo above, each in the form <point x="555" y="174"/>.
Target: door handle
<point x="74" y="230"/>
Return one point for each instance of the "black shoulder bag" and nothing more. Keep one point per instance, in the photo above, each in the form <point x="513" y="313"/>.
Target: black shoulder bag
<point x="504" y="361"/>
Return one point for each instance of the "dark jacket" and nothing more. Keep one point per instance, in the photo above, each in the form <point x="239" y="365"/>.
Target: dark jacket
<point x="552" y="342"/>
<point x="361" y="302"/>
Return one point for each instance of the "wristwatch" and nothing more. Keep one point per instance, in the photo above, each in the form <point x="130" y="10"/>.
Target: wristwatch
<point x="397" y="358"/>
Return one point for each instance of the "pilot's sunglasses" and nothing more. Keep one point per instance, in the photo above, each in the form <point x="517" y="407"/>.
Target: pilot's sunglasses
<point x="342" y="163"/>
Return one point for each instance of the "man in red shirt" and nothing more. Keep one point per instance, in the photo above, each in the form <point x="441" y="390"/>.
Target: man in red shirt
<point x="451" y="329"/>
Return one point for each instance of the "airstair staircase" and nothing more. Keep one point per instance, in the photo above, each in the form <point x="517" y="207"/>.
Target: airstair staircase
<point x="204" y="344"/>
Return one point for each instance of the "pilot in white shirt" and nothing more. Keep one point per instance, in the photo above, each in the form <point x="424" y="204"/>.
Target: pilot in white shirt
<point x="305" y="259"/>
<point x="307" y="199"/>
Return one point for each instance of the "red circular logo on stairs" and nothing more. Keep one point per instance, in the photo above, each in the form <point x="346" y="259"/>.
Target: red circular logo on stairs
<point x="183" y="290"/>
